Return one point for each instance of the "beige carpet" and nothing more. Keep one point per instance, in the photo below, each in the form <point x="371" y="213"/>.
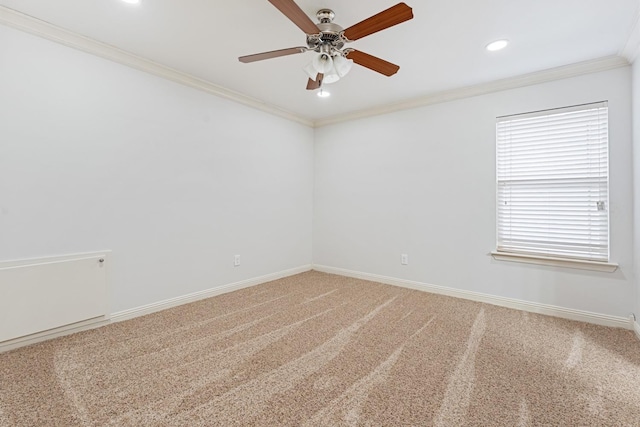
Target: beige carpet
<point x="323" y="350"/>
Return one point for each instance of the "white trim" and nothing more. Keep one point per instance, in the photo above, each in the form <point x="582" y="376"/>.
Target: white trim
<point x="53" y="259"/>
<point x="532" y="307"/>
<point x="573" y="70"/>
<point x="51" y="32"/>
<point x="196" y="296"/>
<point x="631" y="49"/>
<point x="636" y="328"/>
<point x="607" y="267"/>
<point x="54" y="333"/>
<point x="144" y="310"/>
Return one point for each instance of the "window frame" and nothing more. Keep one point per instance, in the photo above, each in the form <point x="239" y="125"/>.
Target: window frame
<point x="537" y="254"/>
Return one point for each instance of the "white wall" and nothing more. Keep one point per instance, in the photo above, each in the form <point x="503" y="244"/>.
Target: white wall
<point x="636" y="177"/>
<point x="422" y="182"/>
<point x="95" y="155"/>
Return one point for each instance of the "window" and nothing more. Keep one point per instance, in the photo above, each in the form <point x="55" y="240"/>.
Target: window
<point x="552" y="183"/>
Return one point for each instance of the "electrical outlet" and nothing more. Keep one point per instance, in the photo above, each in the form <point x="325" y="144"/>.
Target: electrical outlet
<point x="236" y="261"/>
<point x="404" y="259"/>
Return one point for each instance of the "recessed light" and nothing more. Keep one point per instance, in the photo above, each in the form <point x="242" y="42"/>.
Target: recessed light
<point x="131" y="1"/>
<point x="323" y="93"/>
<point x="497" y="45"/>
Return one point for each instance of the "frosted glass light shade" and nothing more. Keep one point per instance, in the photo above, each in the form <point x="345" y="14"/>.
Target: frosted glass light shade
<point x="310" y="70"/>
<point x="342" y="65"/>
<point x="323" y="63"/>
<point x="331" y="77"/>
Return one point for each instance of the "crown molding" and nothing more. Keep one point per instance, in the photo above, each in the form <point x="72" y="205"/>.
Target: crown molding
<point x="26" y="23"/>
<point x="572" y="70"/>
<point x="631" y="49"/>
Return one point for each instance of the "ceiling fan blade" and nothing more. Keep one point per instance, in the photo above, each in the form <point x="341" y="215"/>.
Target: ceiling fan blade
<point x="387" y="18"/>
<point x="292" y="11"/>
<point x="315" y="84"/>
<point x="373" y="63"/>
<point x="272" y="54"/>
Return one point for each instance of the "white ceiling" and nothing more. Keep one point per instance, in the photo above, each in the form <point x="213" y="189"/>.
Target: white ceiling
<point x="441" y="49"/>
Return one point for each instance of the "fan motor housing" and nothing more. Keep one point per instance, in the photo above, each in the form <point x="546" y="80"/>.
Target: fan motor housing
<point x="330" y="33"/>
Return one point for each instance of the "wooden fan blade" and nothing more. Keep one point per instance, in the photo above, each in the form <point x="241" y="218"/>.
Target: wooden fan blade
<point x="373" y="63"/>
<point x="315" y="84"/>
<point x="271" y="54"/>
<point x="292" y="11"/>
<point x="387" y="18"/>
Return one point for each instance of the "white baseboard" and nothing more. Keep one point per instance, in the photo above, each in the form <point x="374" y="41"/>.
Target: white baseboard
<point x="54" y="333"/>
<point x="147" y="309"/>
<point x="636" y="328"/>
<point x="532" y="307"/>
<point x="196" y="296"/>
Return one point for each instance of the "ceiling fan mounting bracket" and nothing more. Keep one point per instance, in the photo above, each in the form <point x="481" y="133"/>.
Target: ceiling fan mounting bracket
<point x="325" y="16"/>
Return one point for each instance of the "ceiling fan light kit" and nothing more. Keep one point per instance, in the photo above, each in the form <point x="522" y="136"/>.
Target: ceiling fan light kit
<point x="332" y="77"/>
<point x="311" y="71"/>
<point x="332" y="67"/>
<point x="342" y="65"/>
<point x="328" y="39"/>
<point x="322" y="63"/>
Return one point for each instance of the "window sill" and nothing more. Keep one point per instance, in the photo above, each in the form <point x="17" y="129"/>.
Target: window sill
<point x="607" y="267"/>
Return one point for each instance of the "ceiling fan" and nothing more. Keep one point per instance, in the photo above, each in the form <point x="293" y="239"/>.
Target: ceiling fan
<point x="328" y="40"/>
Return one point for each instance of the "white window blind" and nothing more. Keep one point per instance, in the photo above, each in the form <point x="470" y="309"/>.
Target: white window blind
<point x="552" y="183"/>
